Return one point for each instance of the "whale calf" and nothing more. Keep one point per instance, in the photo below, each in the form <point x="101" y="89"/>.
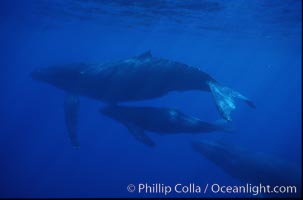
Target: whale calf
<point x="136" y="78"/>
<point x="251" y="167"/>
<point x="158" y="120"/>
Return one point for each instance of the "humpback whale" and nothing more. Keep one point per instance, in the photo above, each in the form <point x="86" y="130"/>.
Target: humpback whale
<point x="137" y="78"/>
<point x="158" y="120"/>
<point x="250" y="167"/>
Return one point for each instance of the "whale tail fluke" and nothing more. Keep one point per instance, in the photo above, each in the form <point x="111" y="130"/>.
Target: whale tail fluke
<point x="225" y="99"/>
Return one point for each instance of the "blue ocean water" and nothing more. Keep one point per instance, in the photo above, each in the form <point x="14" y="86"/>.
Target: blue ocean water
<point x="251" y="46"/>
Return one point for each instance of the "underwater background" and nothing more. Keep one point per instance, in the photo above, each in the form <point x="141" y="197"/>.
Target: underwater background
<point x="251" y="46"/>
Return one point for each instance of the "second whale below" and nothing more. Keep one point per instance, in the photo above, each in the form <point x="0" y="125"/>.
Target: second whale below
<point x="159" y="120"/>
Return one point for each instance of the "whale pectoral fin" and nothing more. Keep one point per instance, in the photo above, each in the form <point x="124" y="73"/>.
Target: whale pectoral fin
<point x="139" y="135"/>
<point x="225" y="99"/>
<point x="71" y="109"/>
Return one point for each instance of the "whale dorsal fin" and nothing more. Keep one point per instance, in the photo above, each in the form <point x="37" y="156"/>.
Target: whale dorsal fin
<point x="146" y="54"/>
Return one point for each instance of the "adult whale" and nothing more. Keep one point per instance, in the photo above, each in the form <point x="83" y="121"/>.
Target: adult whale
<point x="158" y="120"/>
<point x="252" y="167"/>
<point x="137" y="78"/>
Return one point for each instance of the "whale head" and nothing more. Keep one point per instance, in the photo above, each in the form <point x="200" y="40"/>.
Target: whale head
<point x="43" y="74"/>
<point x="207" y="147"/>
<point x="218" y="153"/>
<point x="64" y="77"/>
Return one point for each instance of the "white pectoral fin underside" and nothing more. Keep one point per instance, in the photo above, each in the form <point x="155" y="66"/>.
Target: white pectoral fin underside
<point x="225" y="99"/>
<point x="71" y="109"/>
<point x="139" y="135"/>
